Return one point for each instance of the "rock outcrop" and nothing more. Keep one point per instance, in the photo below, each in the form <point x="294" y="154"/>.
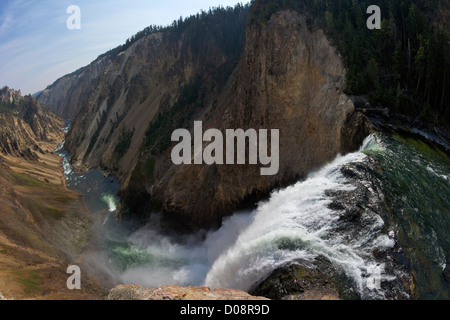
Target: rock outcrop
<point x="297" y="282"/>
<point x="25" y="124"/>
<point x="289" y="79"/>
<point x="136" y="292"/>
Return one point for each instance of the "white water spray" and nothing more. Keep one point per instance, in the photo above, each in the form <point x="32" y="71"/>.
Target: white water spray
<point x="294" y="224"/>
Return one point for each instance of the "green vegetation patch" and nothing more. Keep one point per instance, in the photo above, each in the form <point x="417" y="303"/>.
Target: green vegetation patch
<point x="404" y="66"/>
<point x="45" y="211"/>
<point x="3" y="251"/>
<point x="158" y="135"/>
<point x="147" y="169"/>
<point x="124" y="142"/>
<point x="25" y="180"/>
<point x="64" y="200"/>
<point x="29" y="280"/>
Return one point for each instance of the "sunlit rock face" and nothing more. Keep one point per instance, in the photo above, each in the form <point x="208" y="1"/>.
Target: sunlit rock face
<point x="284" y="77"/>
<point x="136" y="292"/>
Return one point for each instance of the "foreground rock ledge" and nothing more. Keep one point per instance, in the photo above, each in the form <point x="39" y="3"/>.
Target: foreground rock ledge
<point x="136" y="292"/>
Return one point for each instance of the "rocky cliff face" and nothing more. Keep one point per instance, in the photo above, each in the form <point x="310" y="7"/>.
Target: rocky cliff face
<point x="113" y="100"/>
<point x="24" y="124"/>
<point x="287" y="77"/>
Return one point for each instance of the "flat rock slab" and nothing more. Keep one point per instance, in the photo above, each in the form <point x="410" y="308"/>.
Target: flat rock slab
<point x="165" y="292"/>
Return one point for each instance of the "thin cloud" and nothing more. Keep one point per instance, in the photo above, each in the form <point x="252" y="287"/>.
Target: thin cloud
<point x="6" y="24"/>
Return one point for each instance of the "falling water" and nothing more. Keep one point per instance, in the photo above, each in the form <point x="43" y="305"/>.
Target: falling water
<point x="294" y="224"/>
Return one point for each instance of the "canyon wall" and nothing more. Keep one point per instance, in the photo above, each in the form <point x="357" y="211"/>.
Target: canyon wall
<point x="25" y="125"/>
<point x="289" y="79"/>
<point x="125" y="107"/>
<point x="43" y="226"/>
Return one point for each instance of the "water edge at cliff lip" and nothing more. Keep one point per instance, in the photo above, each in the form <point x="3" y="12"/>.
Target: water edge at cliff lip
<point x="296" y="224"/>
<point x="415" y="175"/>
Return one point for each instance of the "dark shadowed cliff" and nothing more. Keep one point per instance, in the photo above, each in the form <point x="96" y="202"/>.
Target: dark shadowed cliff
<point x="126" y="105"/>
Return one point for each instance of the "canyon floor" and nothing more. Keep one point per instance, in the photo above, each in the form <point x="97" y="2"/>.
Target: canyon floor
<point x="43" y="229"/>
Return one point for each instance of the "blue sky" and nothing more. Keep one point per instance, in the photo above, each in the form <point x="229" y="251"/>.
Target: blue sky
<point x="36" y="47"/>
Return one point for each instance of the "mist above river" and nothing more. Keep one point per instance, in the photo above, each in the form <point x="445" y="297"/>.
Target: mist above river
<point x="295" y="225"/>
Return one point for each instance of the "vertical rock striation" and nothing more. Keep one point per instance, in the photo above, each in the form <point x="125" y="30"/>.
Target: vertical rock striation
<point x="125" y="107"/>
<point x="289" y="79"/>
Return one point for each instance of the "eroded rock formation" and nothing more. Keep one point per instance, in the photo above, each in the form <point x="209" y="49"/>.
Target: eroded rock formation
<point x="126" y="106"/>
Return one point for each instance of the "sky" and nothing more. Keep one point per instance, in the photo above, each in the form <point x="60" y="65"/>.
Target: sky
<point x="37" y="47"/>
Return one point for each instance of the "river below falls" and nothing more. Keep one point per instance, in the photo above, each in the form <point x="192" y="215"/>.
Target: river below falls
<point x="404" y="215"/>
